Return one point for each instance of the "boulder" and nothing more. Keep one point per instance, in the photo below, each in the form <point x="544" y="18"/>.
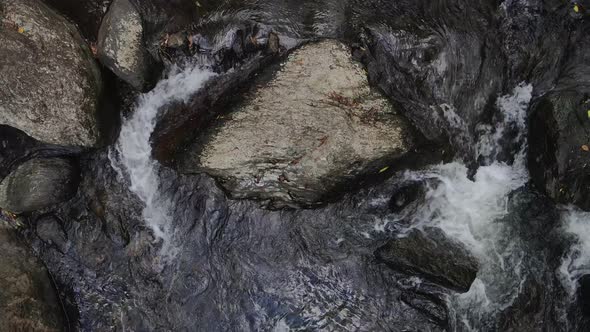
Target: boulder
<point x="559" y="153"/>
<point x="50" y="85"/>
<point x="303" y="134"/>
<point x="28" y="301"/>
<point x="433" y="256"/>
<point x="39" y="183"/>
<point x="121" y="46"/>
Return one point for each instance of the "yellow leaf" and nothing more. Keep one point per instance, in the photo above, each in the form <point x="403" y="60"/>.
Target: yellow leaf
<point x="576" y="8"/>
<point x="589" y="114"/>
<point x="383" y="169"/>
<point x="21" y="30"/>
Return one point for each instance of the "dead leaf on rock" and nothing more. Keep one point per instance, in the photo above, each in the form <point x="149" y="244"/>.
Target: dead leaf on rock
<point x="586" y="148"/>
<point x="94" y="49"/>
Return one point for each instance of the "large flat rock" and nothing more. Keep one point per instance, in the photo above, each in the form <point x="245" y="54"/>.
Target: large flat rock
<point x="310" y="129"/>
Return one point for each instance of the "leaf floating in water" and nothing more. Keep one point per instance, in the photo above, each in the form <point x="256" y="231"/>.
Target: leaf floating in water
<point x="588" y="114"/>
<point x="585" y="148"/>
<point x="383" y="169"/>
<point x="576" y="8"/>
<point x="21" y="30"/>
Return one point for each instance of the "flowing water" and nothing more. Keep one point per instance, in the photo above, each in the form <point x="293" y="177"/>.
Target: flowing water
<point x="468" y="210"/>
<point x="576" y="263"/>
<point x="134" y="152"/>
<point x="455" y="67"/>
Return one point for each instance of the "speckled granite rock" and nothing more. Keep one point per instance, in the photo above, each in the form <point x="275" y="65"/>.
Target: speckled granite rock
<point x="312" y="128"/>
<point x="50" y="84"/>
<point x="120" y="44"/>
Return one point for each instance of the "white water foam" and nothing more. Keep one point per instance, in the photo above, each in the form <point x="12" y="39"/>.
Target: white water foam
<point x="467" y="210"/>
<point x="464" y="208"/>
<point x="134" y="150"/>
<point x="577" y="262"/>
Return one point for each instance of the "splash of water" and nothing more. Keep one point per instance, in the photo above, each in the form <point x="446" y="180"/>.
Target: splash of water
<point x="133" y="149"/>
<point x="577" y="262"/>
<point x="467" y="209"/>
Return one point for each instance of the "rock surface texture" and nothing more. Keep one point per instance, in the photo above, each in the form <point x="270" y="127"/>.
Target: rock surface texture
<point x="120" y="44"/>
<point x="432" y="255"/>
<point x="28" y="301"/>
<point x="559" y="157"/>
<point x="312" y="127"/>
<point x="49" y="83"/>
<point x="38" y="183"/>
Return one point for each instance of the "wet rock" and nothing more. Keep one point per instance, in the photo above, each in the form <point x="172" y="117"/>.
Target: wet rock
<point x="37" y="184"/>
<point x="406" y="195"/>
<point x="28" y="301"/>
<point x="531" y="228"/>
<point x="432" y="255"/>
<point x="184" y="121"/>
<point x="121" y="45"/>
<point x="161" y="17"/>
<point x="411" y="59"/>
<point x="559" y="153"/>
<point x="429" y="304"/>
<point x="51" y="85"/>
<point x="584" y="294"/>
<point x="312" y="128"/>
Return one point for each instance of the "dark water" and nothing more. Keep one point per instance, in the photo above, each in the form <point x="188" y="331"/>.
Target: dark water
<point x="455" y="69"/>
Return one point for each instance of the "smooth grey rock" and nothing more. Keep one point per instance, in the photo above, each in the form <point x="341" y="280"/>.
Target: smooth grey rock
<point x="38" y="183"/>
<point x="120" y="44"/>
<point x="50" y="84"/>
<point x="27" y="300"/>
<point x="432" y="255"/>
<point x="315" y="126"/>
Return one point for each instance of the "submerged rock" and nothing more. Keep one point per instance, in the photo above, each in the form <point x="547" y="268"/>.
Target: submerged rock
<point x="431" y="254"/>
<point x="411" y="60"/>
<point x="312" y="128"/>
<point x="403" y="197"/>
<point x="559" y="153"/>
<point x="540" y="303"/>
<point x="28" y="301"/>
<point x="37" y="184"/>
<point x="50" y="83"/>
<point x="120" y="44"/>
